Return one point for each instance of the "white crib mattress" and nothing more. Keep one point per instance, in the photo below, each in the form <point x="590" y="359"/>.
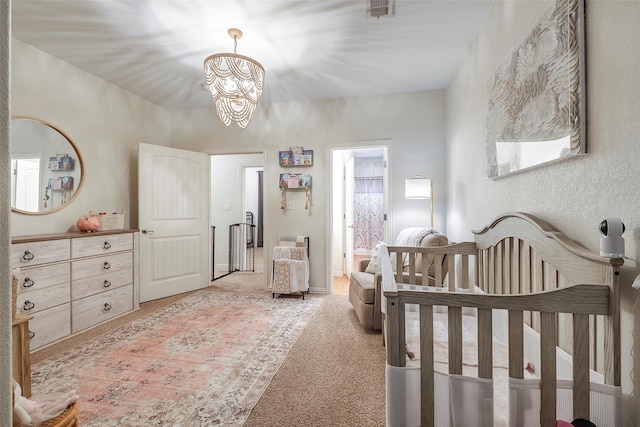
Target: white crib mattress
<point x="440" y="348"/>
<point x="469" y="356"/>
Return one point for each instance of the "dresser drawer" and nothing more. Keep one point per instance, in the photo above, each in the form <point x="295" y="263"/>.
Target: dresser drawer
<point x="36" y="278"/>
<point x="42" y="299"/>
<point x="96" y="309"/>
<point x="35" y="253"/>
<point x="99" y="245"/>
<point x="101" y="283"/>
<point x="83" y="269"/>
<point x="49" y="325"/>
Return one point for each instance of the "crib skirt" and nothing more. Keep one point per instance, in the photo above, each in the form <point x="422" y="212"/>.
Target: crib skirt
<point x="403" y="397"/>
<point x="524" y="403"/>
<point x="464" y="401"/>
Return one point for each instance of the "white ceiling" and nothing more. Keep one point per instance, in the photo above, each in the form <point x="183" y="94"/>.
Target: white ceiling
<point x="310" y="49"/>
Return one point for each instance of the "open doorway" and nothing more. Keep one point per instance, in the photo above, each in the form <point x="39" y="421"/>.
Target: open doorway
<point x="359" y="208"/>
<point x="237" y="215"/>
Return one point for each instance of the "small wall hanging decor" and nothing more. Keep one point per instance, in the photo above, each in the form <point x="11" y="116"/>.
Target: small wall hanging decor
<point x="308" y="197"/>
<point x="61" y="162"/>
<point x="294" y="181"/>
<point x="296" y="156"/>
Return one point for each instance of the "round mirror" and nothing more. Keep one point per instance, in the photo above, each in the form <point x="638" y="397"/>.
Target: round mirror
<point x="46" y="167"/>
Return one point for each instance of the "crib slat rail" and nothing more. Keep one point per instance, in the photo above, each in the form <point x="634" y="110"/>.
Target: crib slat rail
<point x="577" y="299"/>
<point x="427" y="377"/>
<point x="547" y="259"/>
<point x="443" y="259"/>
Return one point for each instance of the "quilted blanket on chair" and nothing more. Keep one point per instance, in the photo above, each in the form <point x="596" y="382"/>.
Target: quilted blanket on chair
<point x="412" y="236"/>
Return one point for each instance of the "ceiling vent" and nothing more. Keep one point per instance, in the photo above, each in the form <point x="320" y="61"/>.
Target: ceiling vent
<point x="379" y="8"/>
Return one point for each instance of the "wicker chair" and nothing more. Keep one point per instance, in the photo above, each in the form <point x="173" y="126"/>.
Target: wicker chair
<point x="68" y="418"/>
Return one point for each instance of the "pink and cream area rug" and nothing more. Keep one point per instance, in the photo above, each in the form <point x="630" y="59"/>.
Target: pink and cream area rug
<point x="204" y="360"/>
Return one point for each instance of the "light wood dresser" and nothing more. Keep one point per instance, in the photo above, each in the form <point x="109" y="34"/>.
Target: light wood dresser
<point x="20" y="358"/>
<point x="70" y="282"/>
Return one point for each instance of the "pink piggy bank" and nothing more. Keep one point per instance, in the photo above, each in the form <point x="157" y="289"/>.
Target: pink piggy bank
<point x="88" y="224"/>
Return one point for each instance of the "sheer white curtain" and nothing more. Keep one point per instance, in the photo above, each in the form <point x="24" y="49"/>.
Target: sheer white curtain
<point x="368" y="211"/>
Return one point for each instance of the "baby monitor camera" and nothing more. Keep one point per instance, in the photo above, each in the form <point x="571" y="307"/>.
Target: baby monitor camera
<point x="611" y="242"/>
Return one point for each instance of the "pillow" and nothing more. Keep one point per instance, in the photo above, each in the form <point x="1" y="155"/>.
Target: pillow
<point x="375" y="265"/>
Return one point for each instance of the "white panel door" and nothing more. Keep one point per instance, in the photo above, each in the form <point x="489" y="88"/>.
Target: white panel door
<point x="173" y="205"/>
<point x="349" y="183"/>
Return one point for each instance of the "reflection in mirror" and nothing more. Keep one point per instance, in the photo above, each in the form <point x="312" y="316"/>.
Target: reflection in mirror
<point x="46" y="167"/>
<point x="25" y="183"/>
<point x="515" y="156"/>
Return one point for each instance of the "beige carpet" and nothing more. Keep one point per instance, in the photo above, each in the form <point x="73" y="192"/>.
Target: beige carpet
<point x="240" y="282"/>
<point x="333" y="375"/>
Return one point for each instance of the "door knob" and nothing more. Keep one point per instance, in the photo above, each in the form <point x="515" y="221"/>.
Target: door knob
<point x="145" y="231"/>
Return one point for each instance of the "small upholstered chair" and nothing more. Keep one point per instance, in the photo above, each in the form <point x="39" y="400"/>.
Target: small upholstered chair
<point x="365" y="285"/>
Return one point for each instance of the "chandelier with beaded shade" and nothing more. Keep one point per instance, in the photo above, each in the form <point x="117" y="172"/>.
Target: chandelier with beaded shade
<point x="236" y="82"/>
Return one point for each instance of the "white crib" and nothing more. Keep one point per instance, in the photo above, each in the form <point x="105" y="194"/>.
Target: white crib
<point x="551" y="303"/>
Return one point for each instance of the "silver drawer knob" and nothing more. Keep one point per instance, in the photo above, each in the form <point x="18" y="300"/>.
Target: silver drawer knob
<point x="106" y="284"/>
<point x="27" y="283"/>
<point x="107" y="306"/>
<point x="106" y="265"/>
<point x="106" y="245"/>
<point x="28" y="306"/>
<point x="28" y="256"/>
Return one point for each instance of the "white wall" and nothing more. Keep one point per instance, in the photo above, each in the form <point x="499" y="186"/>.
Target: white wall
<point x="414" y="122"/>
<point x="573" y="195"/>
<point x="105" y="122"/>
<point x="6" y="374"/>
